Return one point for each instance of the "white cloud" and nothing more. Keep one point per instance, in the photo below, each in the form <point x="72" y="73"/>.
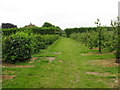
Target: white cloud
<point x="63" y="13"/>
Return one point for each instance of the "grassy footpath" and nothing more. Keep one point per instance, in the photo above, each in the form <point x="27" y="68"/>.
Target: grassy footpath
<point x="70" y="69"/>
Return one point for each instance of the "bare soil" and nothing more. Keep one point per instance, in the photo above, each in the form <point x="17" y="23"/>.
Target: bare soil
<point x="7" y="72"/>
<point x="12" y="65"/>
<point x="96" y="53"/>
<point x="7" y="65"/>
<point x="99" y="74"/>
<point x="60" y="61"/>
<point x="25" y="66"/>
<point x="8" y="76"/>
<point x="33" y="59"/>
<point x="57" y="53"/>
<point x="50" y="59"/>
<point x="105" y="62"/>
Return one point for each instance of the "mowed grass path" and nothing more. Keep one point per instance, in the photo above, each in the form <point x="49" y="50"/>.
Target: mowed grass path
<point x="68" y="70"/>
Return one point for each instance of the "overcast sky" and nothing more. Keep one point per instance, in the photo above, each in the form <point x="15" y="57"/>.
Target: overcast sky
<point x="62" y="13"/>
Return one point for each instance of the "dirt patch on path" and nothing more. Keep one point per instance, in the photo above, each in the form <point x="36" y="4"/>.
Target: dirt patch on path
<point x="57" y="53"/>
<point x="25" y="66"/>
<point x="96" y="53"/>
<point x="60" y="61"/>
<point x="99" y="74"/>
<point x="50" y="59"/>
<point x="7" y="72"/>
<point x="33" y="59"/>
<point x="7" y="65"/>
<point x="6" y="77"/>
<point x="114" y="83"/>
<point x="13" y="66"/>
<point x="105" y="62"/>
<point x="19" y="66"/>
<point x="93" y="73"/>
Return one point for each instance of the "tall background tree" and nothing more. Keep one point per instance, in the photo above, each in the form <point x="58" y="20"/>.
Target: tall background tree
<point x="115" y="24"/>
<point x="99" y="34"/>
<point x="47" y="24"/>
<point x="8" y="25"/>
<point x="118" y="42"/>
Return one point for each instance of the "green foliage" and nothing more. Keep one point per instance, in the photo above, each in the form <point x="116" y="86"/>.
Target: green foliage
<point x="44" y="30"/>
<point x="49" y="39"/>
<point x="19" y="46"/>
<point x="16" y="47"/>
<point x="91" y="39"/>
<point x="116" y="29"/>
<point x="36" y="30"/>
<point x="20" y="43"/>
<point x="7" y="32"/>
<point x="118" y="46"/>
<point x="36" y="43"/>
<point x="83" y="29"/>
<point x="47" y="24"/>
<point x="101" y="36"/>
<point x="99" y="30"/>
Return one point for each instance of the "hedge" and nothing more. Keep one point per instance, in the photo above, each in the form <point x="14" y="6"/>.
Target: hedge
<point x="36" y="30"/>
<point x="16" y="47"/>
<point x="20" y="46"/>
<point x="83" y="29"/>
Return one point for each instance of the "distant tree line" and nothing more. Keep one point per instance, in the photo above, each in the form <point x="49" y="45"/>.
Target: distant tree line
<point x="69" y="31"/>
<point x="47" y="28"/>
<point x="8" y="25"/>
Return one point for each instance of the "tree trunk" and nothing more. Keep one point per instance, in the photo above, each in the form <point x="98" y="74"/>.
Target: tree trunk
<point x="100" y="43"/>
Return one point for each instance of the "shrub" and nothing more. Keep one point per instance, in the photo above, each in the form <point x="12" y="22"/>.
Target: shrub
<point x="69" y="31"/>
<point x="19" y="46"/>
<point x="35" y="30"/>
<point x="16" y="47"/>
<point x="91" y="39"/>
<point x="7" y="32"/>
<point x="49" y="39"/>
<point x="36" y="43"/>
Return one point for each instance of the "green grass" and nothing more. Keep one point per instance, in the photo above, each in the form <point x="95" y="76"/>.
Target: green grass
<point x="70" y="73"/>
